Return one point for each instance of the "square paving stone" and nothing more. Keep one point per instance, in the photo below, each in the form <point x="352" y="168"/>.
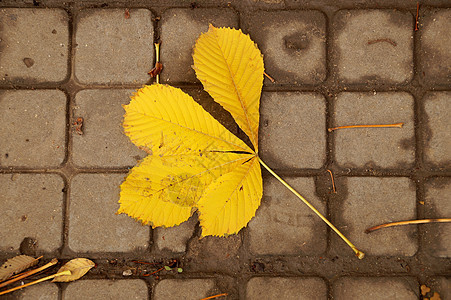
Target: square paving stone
<point x="435" y="41"/>
<point x="375" y="288"/>
<point x="31" y="206"/>
<point x="293" y="44"/>
<point x="369" y="52"/>
<point x="106" y="289"/>
<point x="187" y="289"/>
<point x="180" y="28"/>
<point x="293" y="130"/>
<point x="374" y="147"/>
<point x="292" y="288"/>
<point x="284" y="225"/>
<point x="175" y="238"/>
<point x="437" y="204"/>
<point x="42" y="291"/>
<point x="34" y="45"/>
<point x="111" y="49"/>
<point x="438" y="120"/>
<point x="93" y="225"/>
<point x="371" y="201"/>
<point x="33" y="127"/>
<point x="103" y="142"/>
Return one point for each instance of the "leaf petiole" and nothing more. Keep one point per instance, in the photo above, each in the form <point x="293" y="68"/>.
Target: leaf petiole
<point x="68" y="273"/>
<point x="358" y="253"/>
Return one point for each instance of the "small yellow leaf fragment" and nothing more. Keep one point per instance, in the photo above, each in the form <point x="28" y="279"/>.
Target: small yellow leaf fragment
<point x="424" y="289"/>
<point x="15" y="265"/>
<point x="77" y="268"/>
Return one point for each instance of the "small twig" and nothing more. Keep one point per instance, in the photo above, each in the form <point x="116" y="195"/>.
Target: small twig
<point x="29" y="273"/>
<point x="334" y="191"/>
<point x="397" y="125"/>
<point x="416" y="18"/>
<point x="269" y="77"/>
<point x="67" y="272"/>
<point x="215" y="296"/>
<point x="145" y="275"/>
<point x="157" y="53"/>
<point x="423" y="221"/>
<point x="390" y="41"/>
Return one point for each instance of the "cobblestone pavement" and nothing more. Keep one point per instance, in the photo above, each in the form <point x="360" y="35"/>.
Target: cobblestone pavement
<point x="335" y="63"/>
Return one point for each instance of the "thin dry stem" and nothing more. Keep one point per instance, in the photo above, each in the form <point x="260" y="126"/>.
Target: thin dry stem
<point x="67" y="272"/>
<point x="157" y="54"/>
<point x="416" y="17"/>
<point x="215" y="296"/>
<point x="29" y="273"/>
<point x="410" y="222"/>
<point x="333" y="182"/>
<point x="269" y="77"/>
<point x="396" y="125"/>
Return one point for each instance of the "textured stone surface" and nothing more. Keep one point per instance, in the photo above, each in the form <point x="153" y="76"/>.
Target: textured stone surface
<point x="437" y="204"/>
<point x="290" y="288"/>
<point x="180" y="29"/>
<point x="31" y="206"/>
<point x="438" y="118"/>
<point x="103" y="143"/>
<point x="107" y="289"/>
<point x="402" y="288"/>
<point x="175" y="238"/>
<point x="293" y="44"/>
<point x="42" y="291"/>
<point x="93" y="203"/>
<point x="284" y="225"/>
<point x="435" y="44"/>
<point x="293" y="130"/>
<point x="373" y="201"/>
<point x="111" y="49"/>
<point x="188" y="289"/>
<point x="32" y="128"/>
<point x="23" y="33"/>
<point x="369" y="52"/>
<point x="374" y="147"/>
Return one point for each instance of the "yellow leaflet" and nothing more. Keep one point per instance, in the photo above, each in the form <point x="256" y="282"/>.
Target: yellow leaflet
<point x="230" y="66"/>
<point x="162" y="191"/>
<point x="230" y="202"/>
<point x="164" y="120"/>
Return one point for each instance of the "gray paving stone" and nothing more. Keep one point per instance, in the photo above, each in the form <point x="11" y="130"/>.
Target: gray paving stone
<point x="284" y="225"/>
<point x="106" y="289"/>
<point x="293" y="130"/>
<point x="103" y="143"/>
<point x="373" y="201"/>
<point x="437" y="204"/>
<point x="33" y="45"/>
<point x="32" y="207"/>
<point x="180" y="28"/>
<point x="187" y="289"/>
<point x="289" y="288"/>
<point x="438" y="143"/>
<point x="369" y="52"/>
<point x="111" y="49"/>
<point x="375" y="288"/>
<point x="42" y="291"/>
<point x="293" y="44"/>
<point x="175" y="238"/>
<point x="93" y="204"/>
<point x="435" y="41"/>
<point x="33" y="128"/>
<point x="374" y="147"/>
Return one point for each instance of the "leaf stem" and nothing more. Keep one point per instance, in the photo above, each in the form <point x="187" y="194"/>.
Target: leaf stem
<point x="215" y="296"/>
<point x="423" y="221"/>
<point x="29" y="273"/>
<point x="67" y="272"/>
<point x="358" y="253"/>
<point x="397" y="125"/>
